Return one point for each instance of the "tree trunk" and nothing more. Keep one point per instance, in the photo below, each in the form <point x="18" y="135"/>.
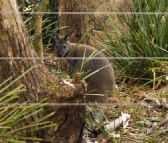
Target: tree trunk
<point x="82" y="23"/>
<point x="17" y="56"/>
<point x="38" y="29"/>
<point x="74" y="22"/>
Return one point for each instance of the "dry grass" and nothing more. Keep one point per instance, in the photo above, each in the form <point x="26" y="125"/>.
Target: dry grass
<point x="148" y="121"/>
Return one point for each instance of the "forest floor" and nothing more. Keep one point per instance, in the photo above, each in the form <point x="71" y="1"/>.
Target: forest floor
<point x="145" y="118"/>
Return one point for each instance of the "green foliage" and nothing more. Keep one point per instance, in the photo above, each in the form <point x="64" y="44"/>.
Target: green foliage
<point x="144" y="38"/>
<point x="16" y="124"/>
<point x="50" y="22"/>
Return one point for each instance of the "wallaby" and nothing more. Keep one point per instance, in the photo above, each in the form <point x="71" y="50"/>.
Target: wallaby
<point x="102" y="81"/>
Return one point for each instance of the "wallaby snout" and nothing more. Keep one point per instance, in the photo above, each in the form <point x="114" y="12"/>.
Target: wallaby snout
<point x="60" y="52"/>
<point x="60" y="55"/>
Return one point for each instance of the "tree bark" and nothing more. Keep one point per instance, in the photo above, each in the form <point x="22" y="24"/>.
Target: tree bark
<point x="82" y="23"/>
<point x="74" y="22"/>
<point x="17" y="56"/>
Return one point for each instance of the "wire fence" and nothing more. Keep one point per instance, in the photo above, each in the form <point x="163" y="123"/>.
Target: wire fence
<point x="83" y="58"/>
<point x="111" y="58"/>
<point x="78" y="104"/>
<point x="86" y="13"/>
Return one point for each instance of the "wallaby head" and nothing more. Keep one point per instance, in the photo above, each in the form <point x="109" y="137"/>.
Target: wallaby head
<point x="62" y="44"/>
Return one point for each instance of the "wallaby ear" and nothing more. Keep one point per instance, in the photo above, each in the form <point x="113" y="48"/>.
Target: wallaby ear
<point x="55" y="36"/>
<point x="68" y="36"/>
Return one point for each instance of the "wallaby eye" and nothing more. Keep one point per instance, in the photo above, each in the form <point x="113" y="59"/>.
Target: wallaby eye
<point x="64" y="47"/>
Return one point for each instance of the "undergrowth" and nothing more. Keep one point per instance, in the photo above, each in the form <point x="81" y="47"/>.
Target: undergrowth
<point x="16" y="122"/>
<point x="145" y="40"/>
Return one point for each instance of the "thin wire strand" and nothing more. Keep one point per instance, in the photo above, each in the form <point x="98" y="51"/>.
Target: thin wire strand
<point x="86" y="13"/>
<point x="73" y="104"/>
<point x="81" y="58"/>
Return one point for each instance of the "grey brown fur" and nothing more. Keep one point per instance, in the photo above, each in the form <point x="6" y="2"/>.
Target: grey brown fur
<point x="103" y="81"/>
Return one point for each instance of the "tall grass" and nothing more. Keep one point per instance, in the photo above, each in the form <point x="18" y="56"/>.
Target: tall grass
<point x="16" y="120"/>
<point x="144" y="39"/>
